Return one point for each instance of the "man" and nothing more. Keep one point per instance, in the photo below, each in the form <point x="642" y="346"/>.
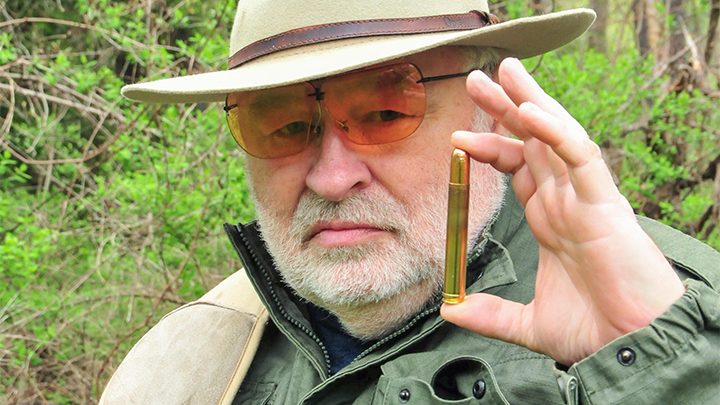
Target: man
<point x="346" y="111"/>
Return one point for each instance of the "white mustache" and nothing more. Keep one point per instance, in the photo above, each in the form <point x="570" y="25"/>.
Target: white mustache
<point x="375" y="208"/>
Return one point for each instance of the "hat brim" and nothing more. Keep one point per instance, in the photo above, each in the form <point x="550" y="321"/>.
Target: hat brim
<point x="521" y="38"/>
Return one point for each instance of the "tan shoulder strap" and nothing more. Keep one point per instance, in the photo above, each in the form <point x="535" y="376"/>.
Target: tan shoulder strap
<point x="238" y="293"/>
<point x="197" y="354"/>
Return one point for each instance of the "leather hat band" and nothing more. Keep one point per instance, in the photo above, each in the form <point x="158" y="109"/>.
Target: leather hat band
<point x="363" y="28"/>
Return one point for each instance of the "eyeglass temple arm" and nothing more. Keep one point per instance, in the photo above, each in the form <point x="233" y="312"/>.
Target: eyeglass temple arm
<point x="443" y="77"/>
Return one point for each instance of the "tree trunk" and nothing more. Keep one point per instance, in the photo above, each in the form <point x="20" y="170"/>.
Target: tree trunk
<point x="647" y="27"/>
<point x="598" y="40"/>
<point x="712" y="29"/>
<point x="539" y="7"/>
<point x="677" y="40"/>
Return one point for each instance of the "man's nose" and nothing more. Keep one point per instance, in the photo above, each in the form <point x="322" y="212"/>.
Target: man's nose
<point x="338" y="168"/>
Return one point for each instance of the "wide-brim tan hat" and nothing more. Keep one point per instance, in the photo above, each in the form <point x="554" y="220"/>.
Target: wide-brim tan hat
<point x="279" y="42"/>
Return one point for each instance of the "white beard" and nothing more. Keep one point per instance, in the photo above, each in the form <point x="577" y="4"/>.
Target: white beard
<point x="376" y="286"/>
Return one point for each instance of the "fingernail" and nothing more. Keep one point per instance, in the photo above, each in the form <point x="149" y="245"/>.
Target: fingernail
<point x="476" y="75"/>
<point x="516" y="63"/>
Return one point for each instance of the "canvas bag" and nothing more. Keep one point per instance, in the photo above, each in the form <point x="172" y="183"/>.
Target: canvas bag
<point x="197" y="354"/>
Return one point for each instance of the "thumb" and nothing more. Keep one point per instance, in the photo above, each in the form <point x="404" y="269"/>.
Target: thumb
<point x="491" y="316"/>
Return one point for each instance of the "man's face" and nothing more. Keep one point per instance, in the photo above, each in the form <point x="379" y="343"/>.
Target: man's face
<point x="355" y="227"/>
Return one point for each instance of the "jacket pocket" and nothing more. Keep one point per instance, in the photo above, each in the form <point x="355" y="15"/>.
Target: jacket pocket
<point x="453" y="380"/>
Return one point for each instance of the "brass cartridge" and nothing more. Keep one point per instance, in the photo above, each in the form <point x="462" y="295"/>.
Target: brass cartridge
<point x="457" y="228"/>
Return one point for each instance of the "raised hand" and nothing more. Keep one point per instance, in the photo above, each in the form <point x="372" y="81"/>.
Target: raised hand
<point x="599" y="275"/>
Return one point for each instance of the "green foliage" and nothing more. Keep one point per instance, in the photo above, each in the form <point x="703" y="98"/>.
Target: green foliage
<point x="7" y="51"/>
<point x="11" y="172"/>
<point x="119" y="200"/>
<point x="655" y="140"/>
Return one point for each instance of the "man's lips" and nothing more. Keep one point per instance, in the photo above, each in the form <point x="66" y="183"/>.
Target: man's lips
<point x="334" y="234"/>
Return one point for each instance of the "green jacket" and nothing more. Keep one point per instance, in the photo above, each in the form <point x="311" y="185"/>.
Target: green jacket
<point x="429" y="361"/>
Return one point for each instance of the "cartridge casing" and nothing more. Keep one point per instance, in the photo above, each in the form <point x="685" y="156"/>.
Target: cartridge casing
<point x="457" y="228"/>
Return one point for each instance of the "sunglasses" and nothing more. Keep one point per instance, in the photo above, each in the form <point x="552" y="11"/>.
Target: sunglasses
<point x="371" y="107"/>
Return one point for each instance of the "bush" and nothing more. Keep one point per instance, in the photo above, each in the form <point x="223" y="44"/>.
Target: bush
<point x="110" y="211"/>
<point x="659" y="143"/>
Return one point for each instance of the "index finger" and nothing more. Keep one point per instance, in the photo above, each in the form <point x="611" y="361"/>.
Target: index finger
<point x="491" y="98"/>
<point x="520" y="87"/>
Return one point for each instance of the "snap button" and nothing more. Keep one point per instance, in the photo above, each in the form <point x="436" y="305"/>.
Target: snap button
<point x="479" y="389"/>
<point x="626" y="356"/>
<point x="404" y="395"/>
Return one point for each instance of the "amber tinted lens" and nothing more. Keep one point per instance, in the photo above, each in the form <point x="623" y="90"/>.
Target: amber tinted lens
<point x="379" y="105"/>
<point x="372" y="106"/>
<point x="272" y="123"/>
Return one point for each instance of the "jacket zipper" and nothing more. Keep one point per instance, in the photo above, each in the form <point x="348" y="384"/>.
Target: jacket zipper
<point x="293" y="321"/>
